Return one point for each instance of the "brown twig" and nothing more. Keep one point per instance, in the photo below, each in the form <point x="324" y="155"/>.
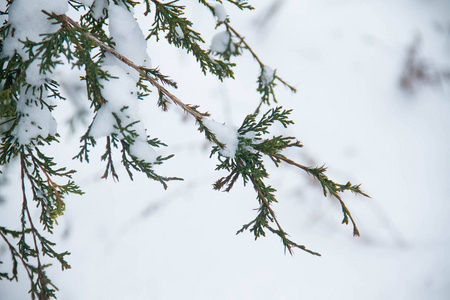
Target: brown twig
<point x="242" y="39"/>
<point x="52" y="184"/>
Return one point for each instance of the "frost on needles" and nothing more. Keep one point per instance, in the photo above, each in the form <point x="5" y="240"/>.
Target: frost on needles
<point x="109" y="46"/>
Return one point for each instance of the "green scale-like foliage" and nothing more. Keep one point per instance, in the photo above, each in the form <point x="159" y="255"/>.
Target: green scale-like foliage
<point x="84" y="44"/>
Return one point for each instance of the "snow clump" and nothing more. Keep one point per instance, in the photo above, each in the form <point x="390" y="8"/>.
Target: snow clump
<point x="220" y="13"/>
<point x="179" y="32"/>
<point x="226" y="134"/>
<point x="128" y="36"/>
<point x="221" y="41"/>
<point x="29" y="23"/>
<point x="121" y="92"/>
<point x="35" y="118"/>
<point x="267" y="76"/>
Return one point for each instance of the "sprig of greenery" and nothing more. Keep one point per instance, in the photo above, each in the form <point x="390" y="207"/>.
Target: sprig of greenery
<point x="39" y="170"/>
<point x="131" y="161"/>
<point x="248" y="164"/>
<point x="169" y="18"/>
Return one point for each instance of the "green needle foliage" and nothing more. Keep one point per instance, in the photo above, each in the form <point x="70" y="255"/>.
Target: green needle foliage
<point x="86" y="45"/>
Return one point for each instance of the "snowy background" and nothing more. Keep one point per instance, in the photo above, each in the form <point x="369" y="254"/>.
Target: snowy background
<point x="133" y="240"/>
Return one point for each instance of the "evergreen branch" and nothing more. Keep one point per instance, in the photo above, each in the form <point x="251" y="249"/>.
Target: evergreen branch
<point x="328" y="186"/>
<point x="14" y="254"/>
<point x="87" y="44"/>
<point x="54" y="187"/>
<point x="250" y="167"/>
<point x="241" y="4"/>
<point x="248" y="163"/>
<point x="169" y="18"/>
<point x="192" y="110"/>
<point x="109" y="165"/>
<point x="49" y="196"/>
<point x="238" y="3"/>
<point x="288" y="244"/>
<point x="40" y="287"/>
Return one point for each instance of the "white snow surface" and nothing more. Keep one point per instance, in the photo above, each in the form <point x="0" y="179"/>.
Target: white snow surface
<point x="128" y="36"/>
<point x="179" y="32"/>
<point x="220" y="42"/>
<point x="121" y="94"/>
<point x="121" y="97"/>
<point x="220" y="12"/>
<point x="30" y="23"/>
<point x="33" y="74"/>
<point x="99" y="7"/>
<point x="226" y="134"/>
<point x="268" y="75"/>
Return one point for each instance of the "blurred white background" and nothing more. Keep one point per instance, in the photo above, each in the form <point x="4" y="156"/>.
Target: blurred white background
<point x="361" y="108"/>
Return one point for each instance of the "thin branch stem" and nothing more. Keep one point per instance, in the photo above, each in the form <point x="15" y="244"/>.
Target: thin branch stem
<point x="242" y="39"/>
<point x="244" y="42"/>
<point x="286" y="242"/>
<point x="17" y="254"/>
<point x="289" y="161"/>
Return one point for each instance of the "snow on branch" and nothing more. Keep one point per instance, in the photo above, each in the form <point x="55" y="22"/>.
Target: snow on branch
<point x="109" y="46"/>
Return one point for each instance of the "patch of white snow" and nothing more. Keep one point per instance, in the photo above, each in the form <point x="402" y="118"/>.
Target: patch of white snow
<point x="29" y="23"/>
<point x="267" y="75"/>
<point x="128" y="36"/>
<point x="226" y="134"/>
<point x="35" y="118"/>
<point x="220" y="42"/>
<point x="220" y="13"/>
<point x="179" y="32"/>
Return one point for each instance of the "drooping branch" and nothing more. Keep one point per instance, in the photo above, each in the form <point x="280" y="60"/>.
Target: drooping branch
<point x="288" y="244"/>
<point x="25" y="210"/>
<point x="328" y="186"/>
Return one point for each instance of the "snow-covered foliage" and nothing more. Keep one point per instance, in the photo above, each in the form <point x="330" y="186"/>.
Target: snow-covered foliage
<point x="104" y="40"/>
<point x="120" y="91"/>
<point x="220" y="12"/>
<point x="29" y="24"/>
<point x="227" y="135"/>
<point x="221" y="41"/>
<point x="268" y="76"/>
<point x="35" y="118"/>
